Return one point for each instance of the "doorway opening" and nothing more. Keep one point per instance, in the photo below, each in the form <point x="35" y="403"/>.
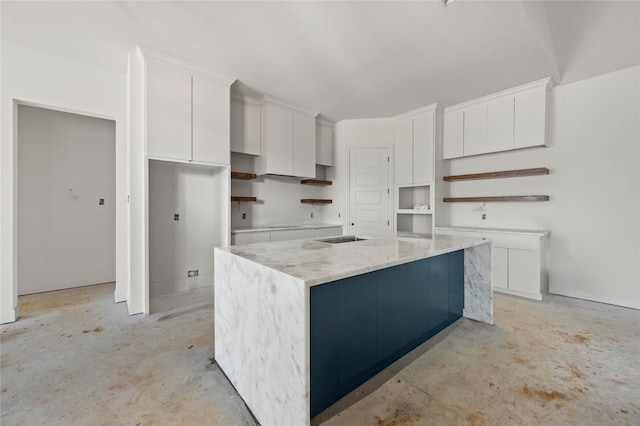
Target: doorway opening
<point x="66" y="200"/>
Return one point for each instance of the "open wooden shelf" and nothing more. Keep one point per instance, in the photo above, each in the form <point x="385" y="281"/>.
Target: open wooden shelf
<point x="242" y="175"/>
<point x="315" y="182"/>
<point x="243" y="199"/>
<point x="315" y="201"/>
<point x="503" y="174"/>
<point x="501" y="198"/>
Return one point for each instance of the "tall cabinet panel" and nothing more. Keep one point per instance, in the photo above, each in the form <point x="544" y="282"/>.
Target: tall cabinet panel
<point x="168" y="112"/>
<point x="211" y="118"/>
<point x="475" y="130"/>
<point x="530" y="118"/>
<point x="423" y="135"/>
<point x="304" y="145"/>
<point x="403" y="151"/>
<point x="453" y="137"/>
<point x="500" y="124"/>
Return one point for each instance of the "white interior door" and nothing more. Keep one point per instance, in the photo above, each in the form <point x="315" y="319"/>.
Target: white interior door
<point x="369" y="192"/>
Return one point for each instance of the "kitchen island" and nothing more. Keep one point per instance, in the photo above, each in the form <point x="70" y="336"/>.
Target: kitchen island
<point x="298" y="324"/>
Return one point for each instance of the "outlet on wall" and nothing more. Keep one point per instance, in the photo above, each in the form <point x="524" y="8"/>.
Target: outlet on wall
<point x="484" y="216"/>
<point x="193" y="273"/>
<point x="244" y="215"/>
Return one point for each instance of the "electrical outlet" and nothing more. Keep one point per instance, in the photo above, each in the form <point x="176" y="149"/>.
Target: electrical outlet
<point x="176" y="216"/>
<point x="311" y="215"/>
<point x="339" y="215"/>
<point x="484" y="216"/>
<point x="101" y="201"/>
<point x="244" y="215"/>
<point x="192" y="274"/>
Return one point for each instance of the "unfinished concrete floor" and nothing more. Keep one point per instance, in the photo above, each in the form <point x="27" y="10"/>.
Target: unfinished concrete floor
<point x="75" y="358"/>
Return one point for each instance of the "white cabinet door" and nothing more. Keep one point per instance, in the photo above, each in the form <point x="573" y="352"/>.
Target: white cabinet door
<point x="168" y="112"/>
<point x="277" y="149"/>
<point x="250" y="237"/>
<point x="530" y="118"/>
<point x="475" y="130"/>
<point x="403" y="151"/>
<point x="453" y="138"/>
<point x="500" y="267"/>
<point x="524" y="271"/>
<point x="324" y="144"/>
<point x="210" y="121"/>
<point x="423" y="147"/>
<point x="500" y="124"/>
<point x="292" y="234"/>
<point x="329" y="232"/>
<point x="304" y="145"/>
<point x="245" y="127"/>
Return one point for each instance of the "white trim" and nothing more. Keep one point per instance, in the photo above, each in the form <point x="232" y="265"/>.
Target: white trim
<point x="546" y="82"/>
<point x="325" y="122"/>
<point x="241" y="98"/>
<point x="285" y="104"/>
<point x="157" y="57"/>
<point x="428" y="108"/>
<point x="10" y="315"/>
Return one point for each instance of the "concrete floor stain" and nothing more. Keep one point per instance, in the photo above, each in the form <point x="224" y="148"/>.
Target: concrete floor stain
<point x="399" y="417"/>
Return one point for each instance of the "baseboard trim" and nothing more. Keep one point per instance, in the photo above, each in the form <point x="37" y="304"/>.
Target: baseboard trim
<point x="9" y="315"/>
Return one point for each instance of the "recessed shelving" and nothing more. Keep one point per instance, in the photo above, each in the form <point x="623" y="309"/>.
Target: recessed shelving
<point x="502" y="174"/>
<point x="498" y="198"/>
<point x="242" y="175"/>
<point x="413" y="211"/>
<point x="315" y="182"/>
<point x="315" y="201"/>
<point x="243" y="199"/>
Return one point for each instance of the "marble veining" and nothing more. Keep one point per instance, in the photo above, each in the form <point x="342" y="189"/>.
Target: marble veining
<point x="316" y="262"/>
<point x="261" y="338"/>
<point x="261" y="302"/>
<point x="478" y="290"/>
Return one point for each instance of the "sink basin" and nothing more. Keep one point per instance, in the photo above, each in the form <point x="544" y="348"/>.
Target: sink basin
<point x="345" y="239"/>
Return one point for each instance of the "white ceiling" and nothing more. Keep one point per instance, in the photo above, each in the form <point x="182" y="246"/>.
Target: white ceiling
<point x="348" y="59"/>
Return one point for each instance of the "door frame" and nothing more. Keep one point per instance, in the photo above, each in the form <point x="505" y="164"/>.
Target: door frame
<point x="390" y="171"/>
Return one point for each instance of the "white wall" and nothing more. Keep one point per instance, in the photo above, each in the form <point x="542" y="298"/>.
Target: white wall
<point x="34" y="77"/>
<point x="278" y="198"/>
<point x="66" y="163"/>
<point x="594" y="186"/>
<point x="176" y="247"/>
<point x="376" y="132"/>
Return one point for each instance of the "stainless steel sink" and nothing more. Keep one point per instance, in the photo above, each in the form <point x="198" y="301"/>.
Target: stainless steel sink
<point x="345" y="239"/>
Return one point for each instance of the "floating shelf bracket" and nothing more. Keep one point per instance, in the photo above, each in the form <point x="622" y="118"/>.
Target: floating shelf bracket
<point x="315" y="201"/>
<point x="503" y="174"/>
<point x="242" y="175"/>
<point x="243" y="199"/>
<point x="499" y="198"/>
<point x="315" y="182"/>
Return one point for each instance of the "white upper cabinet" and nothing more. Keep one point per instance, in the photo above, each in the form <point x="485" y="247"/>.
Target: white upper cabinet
<point x="288" y="141"/>
<point x="403" y="151"/>
<point x="453" y="134"/>
<point x="168" y="112"/>
<point x="475" y="130"/>
<point x="500" y="124"/>
<point x="324" y="143"/>
<point x="245" y="126"/>
<point x="187" y="112"/>
<point x="210" y="121"/>
<point x="414" y="147"/>
<point x="304" y="145"/>
<point x="530" y="118"/>
<point x="512" y="119"/>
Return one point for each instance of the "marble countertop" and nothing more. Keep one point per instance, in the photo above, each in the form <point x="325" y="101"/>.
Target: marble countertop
<point x="316" y="262"/>
<point x="538" y="232"/>
<point x="268" y="228"/>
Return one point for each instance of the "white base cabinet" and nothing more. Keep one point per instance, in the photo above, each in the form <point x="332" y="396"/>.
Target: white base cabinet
<point x="265" y="235"/>
<point x="520" y="261"/>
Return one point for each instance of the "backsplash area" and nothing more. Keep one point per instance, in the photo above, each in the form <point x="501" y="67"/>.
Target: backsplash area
<point x="278" y="198"/>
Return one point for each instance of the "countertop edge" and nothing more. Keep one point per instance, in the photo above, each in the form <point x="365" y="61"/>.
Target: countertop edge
<point x="284" y="228"/>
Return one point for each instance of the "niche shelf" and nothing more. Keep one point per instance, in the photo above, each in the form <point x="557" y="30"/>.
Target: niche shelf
<point x="243" y="199"/>
<point x="502" y="174"/>
<point x="315" y="201"/>
<point x="242" y="175"/>
<point x="499" y="198"/>
<point x="315" y="182"/>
